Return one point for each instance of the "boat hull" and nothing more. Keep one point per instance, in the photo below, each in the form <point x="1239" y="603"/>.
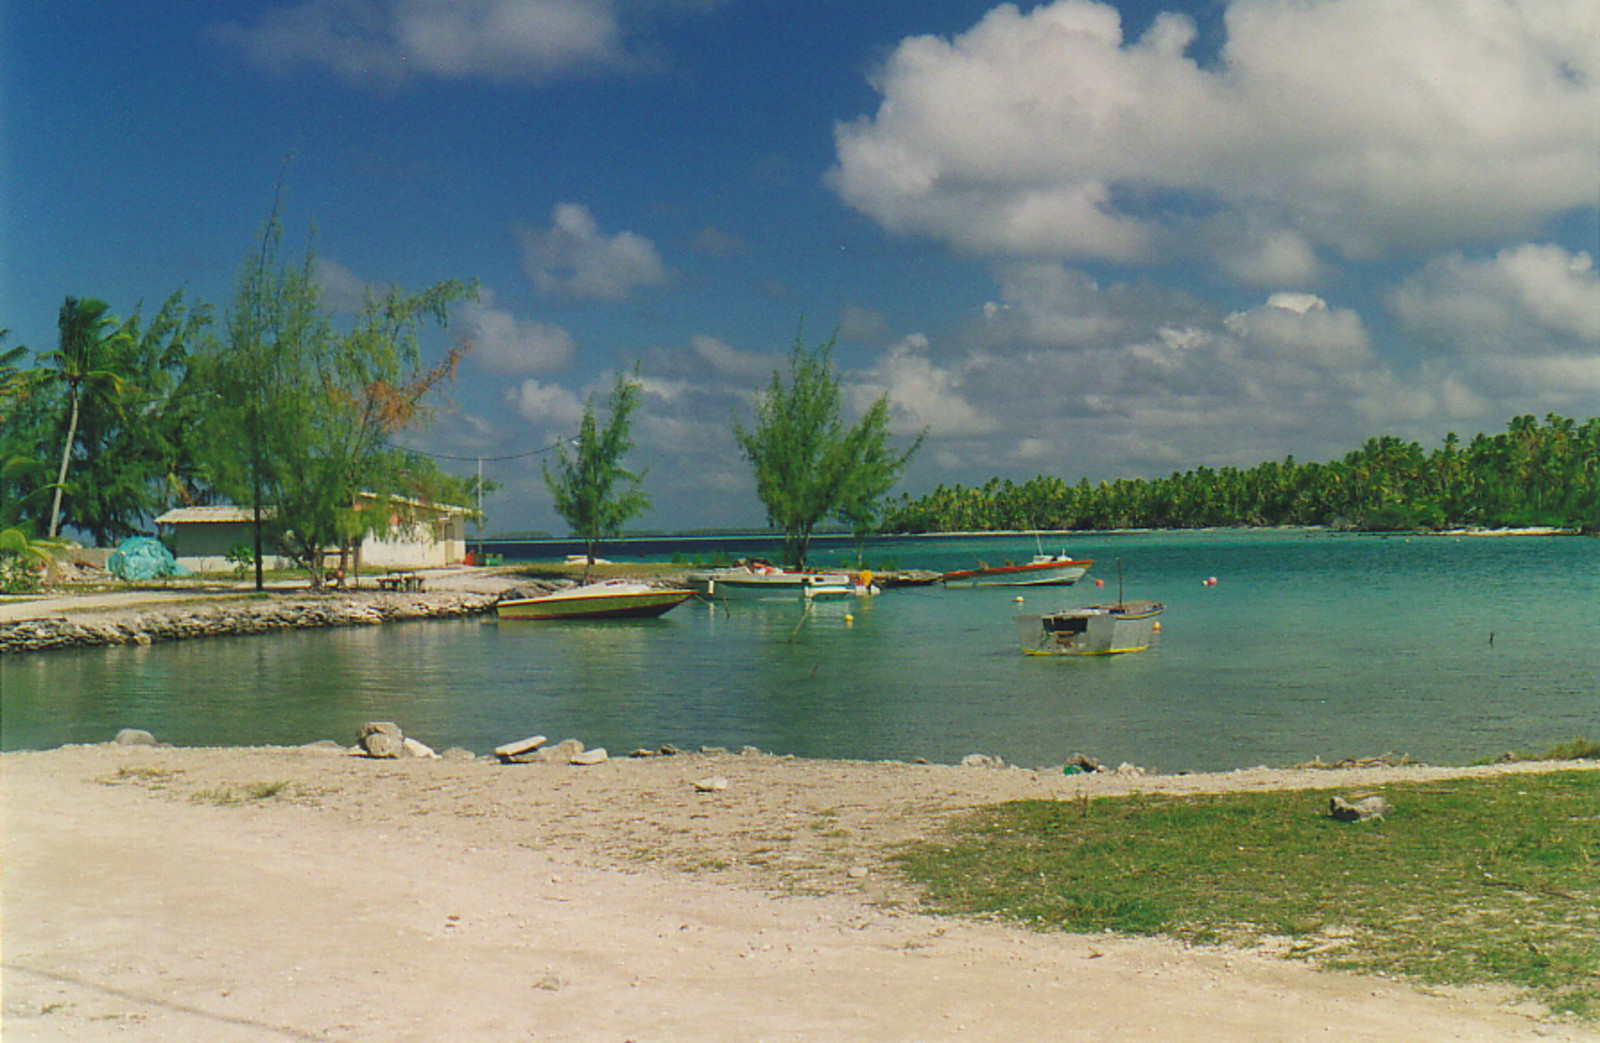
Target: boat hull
<point x="1044" y="570"/>
<point x="739" y="584"/>
<point x="594" y="604"/>
<point x="1092" y="630"/>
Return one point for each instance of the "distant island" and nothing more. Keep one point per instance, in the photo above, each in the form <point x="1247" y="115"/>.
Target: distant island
<point x="1533" y="475"/>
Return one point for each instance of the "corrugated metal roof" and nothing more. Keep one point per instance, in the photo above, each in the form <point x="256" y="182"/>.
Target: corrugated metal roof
<point x="222" y="512"/>
<point x="442" y="508"/>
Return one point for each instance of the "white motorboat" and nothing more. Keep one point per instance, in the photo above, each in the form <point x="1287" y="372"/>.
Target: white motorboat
<point x="757" y="580"/>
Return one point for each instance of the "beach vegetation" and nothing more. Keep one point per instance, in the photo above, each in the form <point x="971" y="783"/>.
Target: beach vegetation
<point x="1535" y="474"/>
<point x="24" y="558"/>
<point x="1487" y="881"/>
<point x="152" y="778"/>
<point x="266" y="790"/>
<point x="810" y="467"/>
<point x="224" y="795"/>
<point x="242" y="559"/>
<point x="22" y="436"/>
<point x="112" y="403"/>
<point x="591" y="488"/>
<point x="1574" y="750"/>
<point x="1571" y="750"/>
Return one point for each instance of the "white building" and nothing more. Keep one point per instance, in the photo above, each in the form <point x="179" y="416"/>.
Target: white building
<point x="418" y="535"/>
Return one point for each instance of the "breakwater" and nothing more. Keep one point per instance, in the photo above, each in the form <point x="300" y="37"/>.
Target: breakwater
<point x="169" y="621"/>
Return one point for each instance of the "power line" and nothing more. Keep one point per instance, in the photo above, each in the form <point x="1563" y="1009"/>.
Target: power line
<point x="481" y="460"/>
<point x="485" y="459"/>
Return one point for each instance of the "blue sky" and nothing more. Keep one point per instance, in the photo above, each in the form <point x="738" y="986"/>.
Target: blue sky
<point x="1066" y="238"/>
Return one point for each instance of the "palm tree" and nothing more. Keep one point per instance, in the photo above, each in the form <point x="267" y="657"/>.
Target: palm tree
<point x="86" y="333"/>
<point x="13" y="381"/>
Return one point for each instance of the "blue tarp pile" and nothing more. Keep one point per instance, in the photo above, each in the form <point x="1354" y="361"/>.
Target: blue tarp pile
<point x="141" y="558"/>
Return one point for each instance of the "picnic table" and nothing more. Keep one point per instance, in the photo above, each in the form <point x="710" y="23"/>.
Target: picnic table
<point x="400" y="581"/>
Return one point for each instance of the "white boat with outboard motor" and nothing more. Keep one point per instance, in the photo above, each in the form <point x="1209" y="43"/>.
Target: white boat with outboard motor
<point x="760" y="580"/>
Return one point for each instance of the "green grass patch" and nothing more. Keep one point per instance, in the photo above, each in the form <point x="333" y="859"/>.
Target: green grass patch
<point x="1575" y="750"/>
<point x="1571" y="750"/>
<point x="1469" y="881"/>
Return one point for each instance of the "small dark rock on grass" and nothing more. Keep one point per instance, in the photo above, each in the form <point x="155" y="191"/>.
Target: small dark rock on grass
<point x="1358" y="809"/>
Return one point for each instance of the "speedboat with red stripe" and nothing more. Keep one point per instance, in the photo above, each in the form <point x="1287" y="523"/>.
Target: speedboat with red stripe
<point x="611" y="599"/>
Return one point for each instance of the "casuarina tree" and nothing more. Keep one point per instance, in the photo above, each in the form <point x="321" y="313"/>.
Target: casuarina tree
<point x="809" y="466"/>
<point x="592" y="490"/>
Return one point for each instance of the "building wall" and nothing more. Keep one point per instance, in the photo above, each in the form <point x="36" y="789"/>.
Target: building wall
<point x="413" y="548"/>
<point x="204" y="546"/>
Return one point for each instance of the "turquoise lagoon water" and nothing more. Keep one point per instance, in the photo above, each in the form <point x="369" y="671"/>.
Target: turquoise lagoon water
<point x="1310" y="644"/>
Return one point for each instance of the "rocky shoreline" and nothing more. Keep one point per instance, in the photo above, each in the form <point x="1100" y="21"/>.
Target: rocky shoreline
<point x="86" y="621"/>
<point x="233" y="615"/>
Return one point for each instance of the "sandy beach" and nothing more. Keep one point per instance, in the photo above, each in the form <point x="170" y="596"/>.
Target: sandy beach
<point x="148" y="895"/>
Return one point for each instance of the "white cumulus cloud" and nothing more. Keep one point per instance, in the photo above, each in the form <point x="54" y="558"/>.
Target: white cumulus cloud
<point x="386" y="41"/>
<point x="341" y="288"/>
<point x="1080" y="378"/>
<point x="1523" y="325"/>
<point x="922" y="394"/>
<point x="1342" y="126"/>
<point x="549" y="404"/>
<point x="574" y="258"/>
<point x="730" y="362"/>
<point x="506" y="344"/>
<point x="1301" y="328"/>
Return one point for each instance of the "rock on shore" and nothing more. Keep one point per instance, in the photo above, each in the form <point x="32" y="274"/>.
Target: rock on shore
<point x="230" y="616"/>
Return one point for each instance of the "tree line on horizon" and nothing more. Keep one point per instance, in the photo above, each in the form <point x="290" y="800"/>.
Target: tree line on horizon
<point x="1535" y="473"/>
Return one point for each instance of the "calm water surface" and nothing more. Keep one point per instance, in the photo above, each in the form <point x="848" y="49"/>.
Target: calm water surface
<point x="1444" y="648"/>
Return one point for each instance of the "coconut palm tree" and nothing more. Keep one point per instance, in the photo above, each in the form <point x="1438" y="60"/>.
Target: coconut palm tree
<point x="87" y="333"/>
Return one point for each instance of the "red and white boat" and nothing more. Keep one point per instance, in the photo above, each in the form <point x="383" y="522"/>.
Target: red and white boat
<point x="1045" y="569"/>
